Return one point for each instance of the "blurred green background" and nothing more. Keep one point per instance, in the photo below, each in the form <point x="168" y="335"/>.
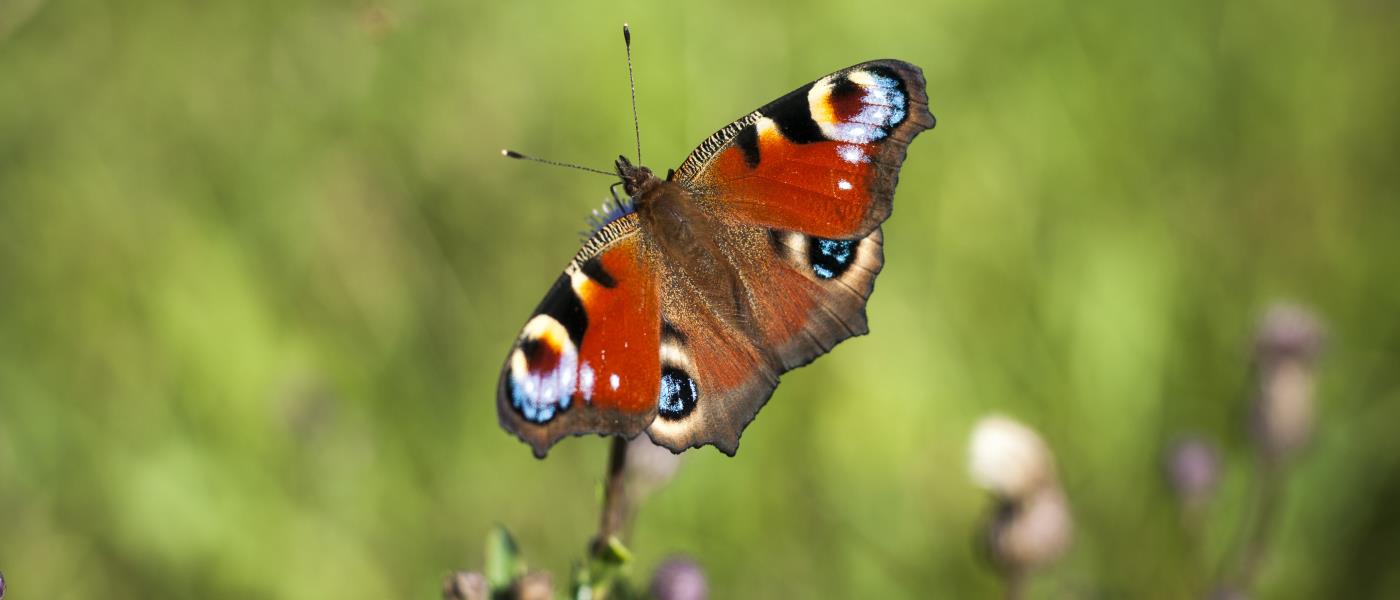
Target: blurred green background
<point x="260" y="263"/>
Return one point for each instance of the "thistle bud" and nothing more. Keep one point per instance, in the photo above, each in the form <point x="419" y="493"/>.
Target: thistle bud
<point x="1287" y="346"/>
<point x="679" y="578"/>
<point x="1032" y="533"/>
<point x="463" y="585"/>
<point x="536" y="585"/>
<point x="1009" y="459"/>
<point x="1030" y="525"/>
<point x="1193" y="470"/>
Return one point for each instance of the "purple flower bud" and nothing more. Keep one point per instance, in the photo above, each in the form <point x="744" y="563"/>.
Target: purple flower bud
<point x="1288" y="332"/>
<point x="679" y="578"/>
<point x="1193" y="468"/>
<point x="1287" y="346"/>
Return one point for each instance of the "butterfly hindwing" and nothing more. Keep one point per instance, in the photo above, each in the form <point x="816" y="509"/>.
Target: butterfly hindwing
<point x="803" y="296"/>
<point x="587" y="361"/>
<point x="823" y="159"/>
<point x="823" y="286"/>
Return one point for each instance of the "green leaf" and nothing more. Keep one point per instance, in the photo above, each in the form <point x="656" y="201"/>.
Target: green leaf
<point x="503" y="562"/>
<point x="614" y="552"/>
<point x="602" y="578"/>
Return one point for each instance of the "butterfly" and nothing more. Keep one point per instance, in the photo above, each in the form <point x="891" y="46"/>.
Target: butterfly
<point x="695" y="293"/>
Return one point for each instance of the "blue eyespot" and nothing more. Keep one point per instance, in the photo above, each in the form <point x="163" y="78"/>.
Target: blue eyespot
<point x="678" y="394"/>
<point x="831" y="258"/>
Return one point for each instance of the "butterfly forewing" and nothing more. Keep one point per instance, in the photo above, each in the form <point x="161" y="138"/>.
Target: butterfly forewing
<point x="823" y="159"/>
<point x="587" y="360"/>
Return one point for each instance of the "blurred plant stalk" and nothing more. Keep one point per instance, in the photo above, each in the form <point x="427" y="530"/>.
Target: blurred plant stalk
<point x="1193" y="469"/>
<point x="1287" y="346"/>
<point x="1030" y="526"/>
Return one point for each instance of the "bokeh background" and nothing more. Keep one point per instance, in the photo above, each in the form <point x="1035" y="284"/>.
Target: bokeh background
<point x="260" y="263"/>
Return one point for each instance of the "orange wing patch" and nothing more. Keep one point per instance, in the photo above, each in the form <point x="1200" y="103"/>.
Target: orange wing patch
<point x="619" y="365"/>
<point x="587" y="361"/>
<point x="822" y="160"/>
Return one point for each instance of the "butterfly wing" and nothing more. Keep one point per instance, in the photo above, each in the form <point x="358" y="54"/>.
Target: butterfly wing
<point x="689" y="348"/>
<point x="587" y="361"/>
<point x="800" y="297"/>
<point x="823" y="159"/>
<point x="801" y="186"/>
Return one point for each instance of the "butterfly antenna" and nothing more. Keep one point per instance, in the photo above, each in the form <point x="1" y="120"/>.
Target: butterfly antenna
<point x="627" y="41"/>
<point x="517" y="155"/>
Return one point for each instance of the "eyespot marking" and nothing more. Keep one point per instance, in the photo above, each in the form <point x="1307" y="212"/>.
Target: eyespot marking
<point x="858" y="107"/>
<point x="678" y="394"/>
<point x="543" y="370"/>
<point x="831" y="258"/>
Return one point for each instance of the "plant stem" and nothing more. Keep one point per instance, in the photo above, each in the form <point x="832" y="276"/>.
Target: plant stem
<point x="1256" y="544"/>
<point x="1015" y="584"/>
<point x="614" y="515"/>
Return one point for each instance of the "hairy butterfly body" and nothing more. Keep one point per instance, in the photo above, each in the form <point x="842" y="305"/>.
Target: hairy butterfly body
<point x="755" y="256"/>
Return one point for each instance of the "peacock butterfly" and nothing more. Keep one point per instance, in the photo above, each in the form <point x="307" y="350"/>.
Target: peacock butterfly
<point x="695" y="292"/>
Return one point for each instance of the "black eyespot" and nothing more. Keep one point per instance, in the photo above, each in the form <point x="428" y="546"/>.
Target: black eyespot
<point x="678" y="394"/>
<point x="831" y="258"/>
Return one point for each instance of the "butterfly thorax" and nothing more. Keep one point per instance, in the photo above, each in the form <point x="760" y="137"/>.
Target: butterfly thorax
<point x="668" y="211"/>
<point x="636" y="179"/>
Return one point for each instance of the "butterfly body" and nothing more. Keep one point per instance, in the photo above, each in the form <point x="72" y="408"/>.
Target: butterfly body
<point x="752" y="258"/>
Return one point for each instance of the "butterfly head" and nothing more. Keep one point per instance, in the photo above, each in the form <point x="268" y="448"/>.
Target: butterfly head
<point x="635" y="179"/>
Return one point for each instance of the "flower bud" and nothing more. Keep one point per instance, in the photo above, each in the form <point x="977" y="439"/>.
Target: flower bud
<point x="1030" y="526"/>
<point x="1288" y="331"/>
<point x="679" y="578"/>
<point x="1287" y="346"/>
<point x="1032" y="533"/>
<point x="1193" y="470"/>
<point x="536" y="585"/>
<point x="464" y="585"/>
<point x="1009" y="459"/>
